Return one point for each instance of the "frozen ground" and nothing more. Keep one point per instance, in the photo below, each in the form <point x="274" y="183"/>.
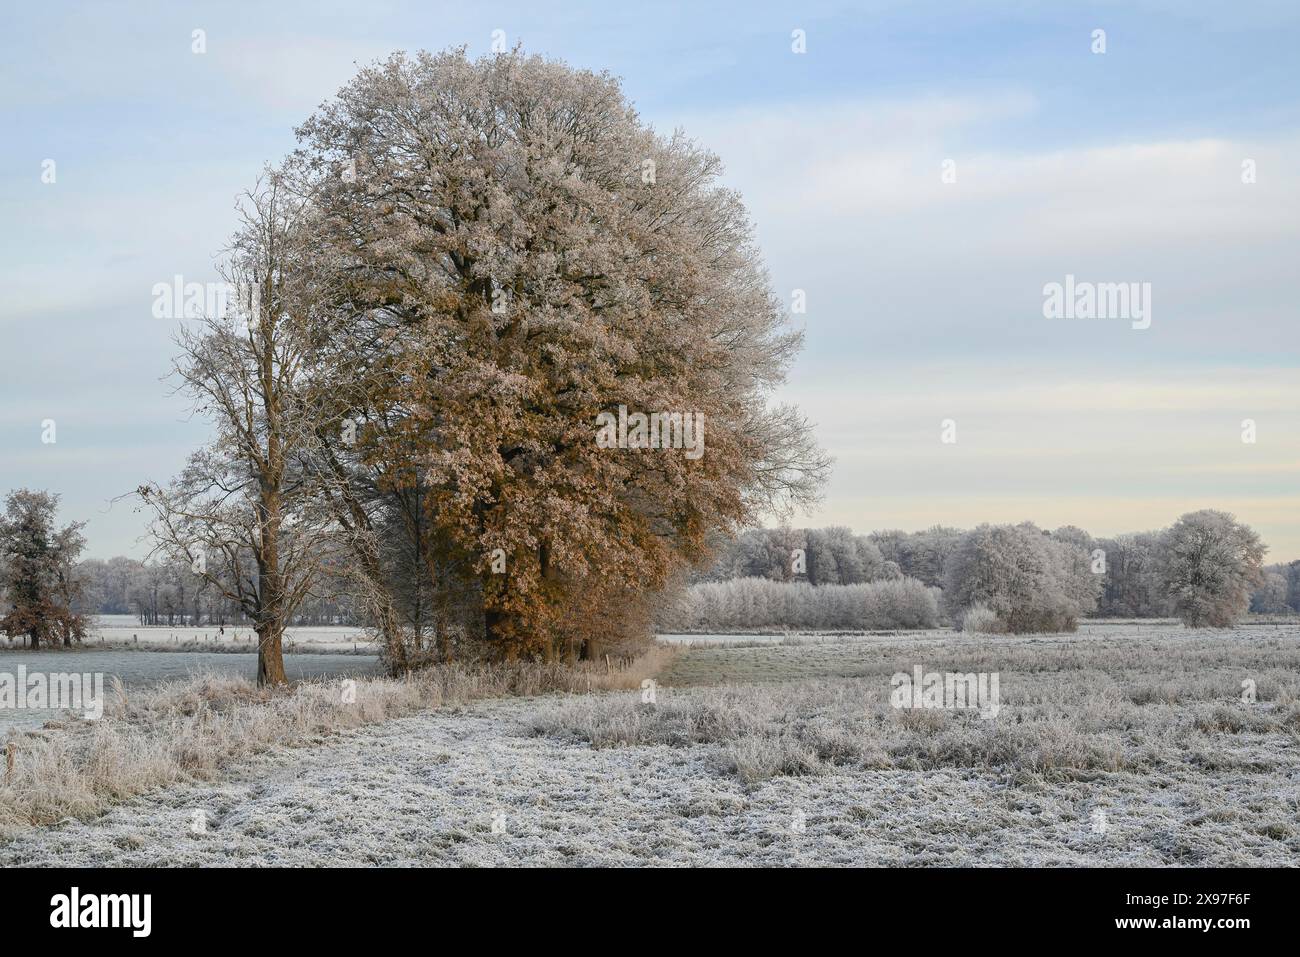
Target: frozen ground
<point x="1118" y="747"/>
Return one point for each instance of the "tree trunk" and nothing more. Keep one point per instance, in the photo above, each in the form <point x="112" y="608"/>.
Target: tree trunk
<point x="390" y="629"/>
<point x="270" y="657"/>
<point x="494" y="626"/>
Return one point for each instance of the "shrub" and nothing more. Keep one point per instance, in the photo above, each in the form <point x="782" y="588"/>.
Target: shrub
<point x="981" y="620"/>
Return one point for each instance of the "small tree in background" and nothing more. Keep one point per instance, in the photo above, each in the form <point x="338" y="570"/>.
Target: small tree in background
<point x="1131" y="585"/>
<point x="1292" y="574"/>
<point x="37" y="570"/>
<point x="1209" y="564"/>
<point x="923" y="555"/>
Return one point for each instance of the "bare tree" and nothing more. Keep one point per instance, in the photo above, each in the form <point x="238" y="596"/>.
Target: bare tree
<point x="241" y="512"/>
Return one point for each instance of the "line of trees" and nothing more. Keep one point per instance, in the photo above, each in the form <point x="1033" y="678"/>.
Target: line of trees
<point x="819" y="556"/>
<point x="1279" y="593"/>
<point x="1206" y="569"/>
<point x="170" y="593"/>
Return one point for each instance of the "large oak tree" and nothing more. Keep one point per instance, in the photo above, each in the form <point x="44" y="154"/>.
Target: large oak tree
<point x="516" y="253"/>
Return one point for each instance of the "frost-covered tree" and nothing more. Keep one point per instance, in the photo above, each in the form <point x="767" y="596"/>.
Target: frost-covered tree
<point x="38" y="573"/>
<point x="1074" y="535"/>
<point x="754" y="553"/>
<point x="1029" y="581"/>
<point x="108" y="584"/>
<point x="822" y="566"/>
<point x="1292" y="573"/>
<point x="869" y="563"/>
<point x="852" y="559"/>
<point x="923" y="554"/>
<point x="520" y="254"/>
<point x="1209" y="564"/>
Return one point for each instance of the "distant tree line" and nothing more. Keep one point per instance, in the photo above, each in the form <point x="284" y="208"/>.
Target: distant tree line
<point x="818" y="556"/>
<point x="1206" y="569"/>
<point x="1279" y="594"/>
<point x="170" y="593"/>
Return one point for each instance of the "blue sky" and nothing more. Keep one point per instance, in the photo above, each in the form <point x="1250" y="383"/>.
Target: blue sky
<point x="924" y="297"/>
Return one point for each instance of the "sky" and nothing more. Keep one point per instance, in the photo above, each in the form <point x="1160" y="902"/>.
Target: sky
<point x="921" y="172"/>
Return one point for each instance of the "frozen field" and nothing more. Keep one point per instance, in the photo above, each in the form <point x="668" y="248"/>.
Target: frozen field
<point x="142" y="656"/>
<point x="140" y="669"/>
<point x="126" y="630"/>
<point x="1119" y="746"/>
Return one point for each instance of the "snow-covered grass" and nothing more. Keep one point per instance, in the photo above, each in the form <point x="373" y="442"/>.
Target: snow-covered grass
<point x="190" y="729"/>
<point x="1118" y="746"/>
<point x="1064" y="727"/>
